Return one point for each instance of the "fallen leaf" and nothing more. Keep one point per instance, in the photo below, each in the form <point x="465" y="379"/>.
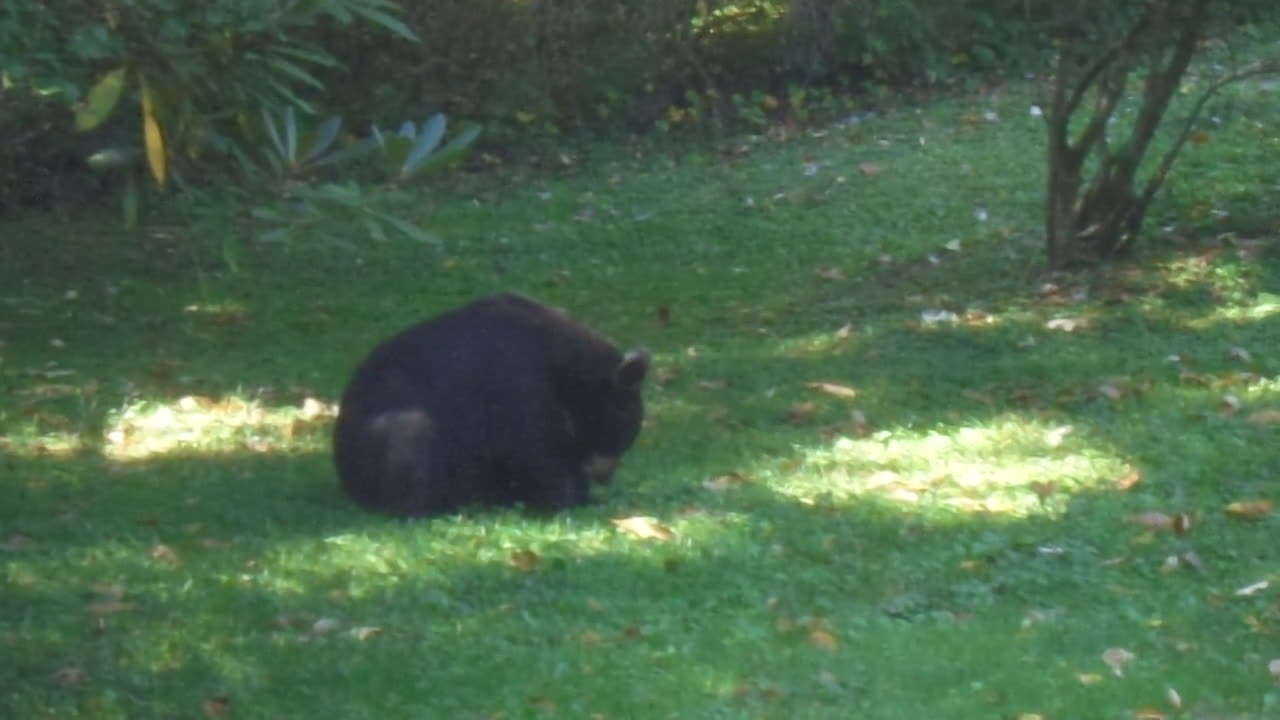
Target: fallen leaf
<point x="1110" y="391"/>
<point x="645" y="528"/>
<point x="1182" y="523"/>
<point x="1231" y="404"/>
<point x="869" y="169"/>
<point x="664" y="375"/>
<point x="1253" y="589"/>
<point x="823" y="639"/>
<point x="1054" y="437"/>
<point x="364" y="633"/>
<point x="1249" y="509"/>
<point x="591" y="638"/>
<point x="1273" y="667"/>
<point x="1066" y="324"/>
<point x="1117" y="659"/>
<point x="313" y="409"/>
<point x="720" y="483"/>
<point x="164" y="553"/>
<point x="713" y="384"/>
<point x="845" y="332"/>
<point x="217" y="706"/>
<point x="834" y="389"/>
<point x="1044" y="490"/>
<point x="801" y="412"/>
<point x="1193" y="560"/>
<point x="110" y="607"/>
<point x="1152" y="520"/>
<point x="543" y="704"/>
<point x="69" y="677"/>
<point x="1265" y="417"/>
<point x="16" y="543"/>
<point x="1148" y="714"/>
<point x="324" y="626"/>
<point x="1240" y="354"/>
<point x="980" y="396"/>
<point x="524" y="560"/>
<point x="830" y="273"/>
<point x="1128" y="481"/>
<point x="858" y="423"/>
<point x="1088" y="679"/>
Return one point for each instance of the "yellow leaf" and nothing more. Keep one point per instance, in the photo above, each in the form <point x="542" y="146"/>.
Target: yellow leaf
<point x="365" y="632"/>
<point x="823" y="639"/>
<point x="1117" y="659"/>
<point x="1128" y="481"/>
<point x="524" y="560"/>
<point x="1249" y="509"/>
<point x="645" y="528"/>
<point x="835" y="389"/>
<point x="101" y="101"/>
<point x="156" y="153"/>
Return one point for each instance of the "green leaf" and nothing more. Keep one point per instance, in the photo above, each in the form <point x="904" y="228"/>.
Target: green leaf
<point x="292" y="70"/>
<point x="455" y="148"/>
<point x="413" y="231"/>
<point x="386" y="21"/>
<point x="291" y="134"/>
<point x="231" y="251"/>
<point x="355" y="150"/>
<point x="432" y="132"/>
<point x="101" y="101"/>
<point x="321" y="139"/>
<point x="374" y="228"/>
<point x="274" y="135"/>
<point x="395" y="148"/>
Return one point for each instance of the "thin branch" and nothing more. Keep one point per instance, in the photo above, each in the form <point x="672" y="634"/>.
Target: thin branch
<point x="1124" y="45"/>
<point x="1166" y="162"/>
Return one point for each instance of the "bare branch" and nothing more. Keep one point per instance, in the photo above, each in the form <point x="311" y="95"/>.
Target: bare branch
<point x="1161" y="172"/>
<point x="1107" y="58"/>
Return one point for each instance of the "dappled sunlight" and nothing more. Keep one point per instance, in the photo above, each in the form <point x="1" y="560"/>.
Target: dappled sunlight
<point x="1264" y="306"/>
<point x="1010" y="465"/>
<point x="200" y="425"/>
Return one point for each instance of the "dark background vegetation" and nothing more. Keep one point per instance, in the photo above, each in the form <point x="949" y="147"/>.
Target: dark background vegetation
<point x="538" y="75"/>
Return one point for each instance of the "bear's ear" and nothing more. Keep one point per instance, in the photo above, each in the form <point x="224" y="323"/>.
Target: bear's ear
<point x="632" y="369"/>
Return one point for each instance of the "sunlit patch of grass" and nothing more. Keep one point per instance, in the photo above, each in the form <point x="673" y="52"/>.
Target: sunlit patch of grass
<point x="202" y="425"/>
<point x="1005" y="465"/>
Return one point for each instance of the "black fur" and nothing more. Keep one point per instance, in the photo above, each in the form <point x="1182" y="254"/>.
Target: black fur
<point x="499" y="402"/>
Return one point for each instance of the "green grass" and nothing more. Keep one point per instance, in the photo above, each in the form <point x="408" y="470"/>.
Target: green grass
<point x="954" y="541"/>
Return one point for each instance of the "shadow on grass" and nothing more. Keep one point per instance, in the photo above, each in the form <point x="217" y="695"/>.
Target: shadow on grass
<point x="272" y="591"/>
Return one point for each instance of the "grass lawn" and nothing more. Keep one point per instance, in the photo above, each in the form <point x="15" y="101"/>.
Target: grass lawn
<point x="902" y="472"/>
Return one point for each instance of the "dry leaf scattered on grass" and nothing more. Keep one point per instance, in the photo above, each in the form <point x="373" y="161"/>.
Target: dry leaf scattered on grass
<point x="645" y="528"/>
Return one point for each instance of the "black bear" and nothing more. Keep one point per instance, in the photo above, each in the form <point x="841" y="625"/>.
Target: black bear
<point x="498" y="402"/>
